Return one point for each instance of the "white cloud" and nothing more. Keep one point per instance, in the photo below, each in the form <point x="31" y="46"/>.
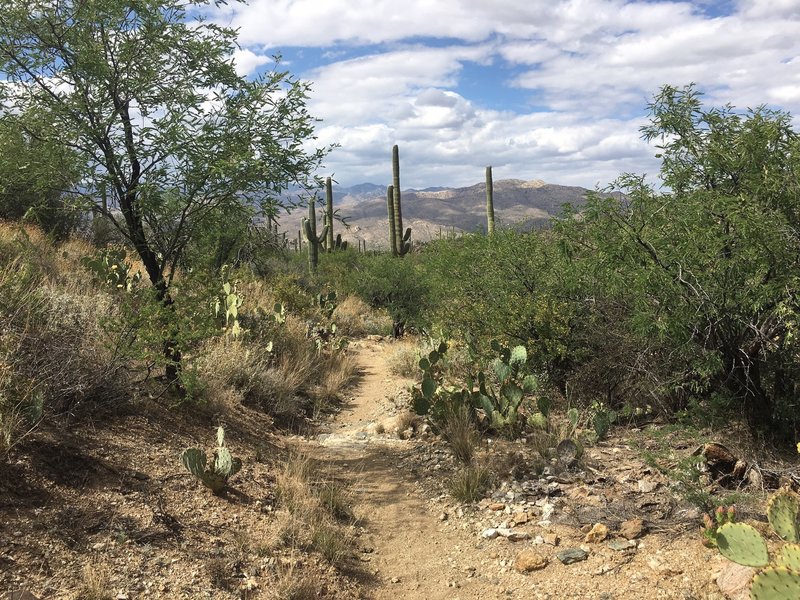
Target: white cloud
<point x="247" y="61"/>
<point x="587" y="68"/>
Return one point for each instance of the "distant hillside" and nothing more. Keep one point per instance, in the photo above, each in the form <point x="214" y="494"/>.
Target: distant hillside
<point x="525" y="204"/>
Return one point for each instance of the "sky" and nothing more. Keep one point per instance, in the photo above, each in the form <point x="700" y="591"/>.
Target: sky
<point x="538" y="89"/>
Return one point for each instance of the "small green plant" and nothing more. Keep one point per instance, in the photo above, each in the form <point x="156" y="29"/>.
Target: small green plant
<point x="711" y="524"/>
<point x="111" y="268"/>
<point x="743" y="544"/>
<point x="214" y="476"/>
<point x="460" y="433"/>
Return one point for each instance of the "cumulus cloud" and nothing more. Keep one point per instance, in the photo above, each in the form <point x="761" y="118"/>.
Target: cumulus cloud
<point x="247" y="61"/>
<point x="436" y="78"/>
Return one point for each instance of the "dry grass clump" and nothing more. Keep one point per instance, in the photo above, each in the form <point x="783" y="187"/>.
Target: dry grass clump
<point x="318" y="510"/>
<point x="403" y="359"/>
<point x="94" y="583"/>
<point x="460" y="433"/>
<point x="355" y="318"/>
<point x="339" y="370"/>
<point x="291" y="379"/>
<point x="293" y="584"/>
<point x="469" y="483"/>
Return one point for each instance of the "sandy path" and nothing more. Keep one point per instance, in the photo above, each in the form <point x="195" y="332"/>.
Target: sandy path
<point x="408" y="549"/>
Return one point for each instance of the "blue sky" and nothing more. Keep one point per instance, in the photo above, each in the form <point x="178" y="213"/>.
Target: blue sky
<point x="553" y="90"/>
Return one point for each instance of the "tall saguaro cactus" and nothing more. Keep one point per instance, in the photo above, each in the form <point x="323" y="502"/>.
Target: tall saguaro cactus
<point x="489" y="201"/>
<point x="329" y="245"/>
<point x="390" y="210"/>
<point x="314" y="241"/>
<point x="401" y="242"/>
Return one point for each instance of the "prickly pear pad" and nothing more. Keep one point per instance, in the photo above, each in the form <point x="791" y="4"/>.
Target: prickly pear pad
<point x="778" y="583"/>
<point x="742" y="544"/>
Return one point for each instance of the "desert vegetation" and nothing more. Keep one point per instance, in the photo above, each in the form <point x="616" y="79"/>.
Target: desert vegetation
<point x="137" y="298"/>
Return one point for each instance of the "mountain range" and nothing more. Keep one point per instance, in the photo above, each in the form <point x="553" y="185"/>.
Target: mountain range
<point x="440" y="211"/>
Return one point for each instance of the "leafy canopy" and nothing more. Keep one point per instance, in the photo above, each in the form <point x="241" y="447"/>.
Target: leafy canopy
<point x="147" y="94"/>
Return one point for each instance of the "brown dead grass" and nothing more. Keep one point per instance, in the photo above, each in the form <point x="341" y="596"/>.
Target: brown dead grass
<point x="355" y="318"/>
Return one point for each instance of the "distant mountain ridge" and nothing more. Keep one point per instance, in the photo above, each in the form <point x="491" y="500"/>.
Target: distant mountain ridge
<point x="433" y="211"/>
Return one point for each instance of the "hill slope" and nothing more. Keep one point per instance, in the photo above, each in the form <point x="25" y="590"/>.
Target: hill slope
<point x="433" y="212"/>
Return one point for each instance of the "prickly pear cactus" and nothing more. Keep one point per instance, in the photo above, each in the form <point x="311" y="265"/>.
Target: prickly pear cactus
<point x="224" y="467"/>
<point x="789" y="557"/>
<point x="783" y="512"/>
<point x="538" y="421"/>
<point x="776" y="583"/>
<point x="742" y="544"/>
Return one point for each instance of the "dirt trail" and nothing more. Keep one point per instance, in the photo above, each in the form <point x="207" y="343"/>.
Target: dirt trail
<point x="407" y="548"/>
<point x="412" y="551"/>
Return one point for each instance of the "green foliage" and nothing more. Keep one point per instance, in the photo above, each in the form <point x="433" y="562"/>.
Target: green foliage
<point x="502" y="286"/>
<point x="398" y="286"/>
<point x="231" y="301"/>
<point x="125" y="88"/>
<point x="216" y="474"/>
<point x="499" y="401"/>
<point x="110" y="267"/>
<point x="327" y="303"/>
<point x="35" y="173"/>
<point x="706" y="272"/>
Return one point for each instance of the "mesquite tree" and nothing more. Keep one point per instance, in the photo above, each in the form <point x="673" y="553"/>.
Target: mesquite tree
<point x="147" y="94"/>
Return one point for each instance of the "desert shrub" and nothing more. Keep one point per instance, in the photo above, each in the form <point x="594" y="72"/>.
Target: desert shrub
<point x="395" y="284"/>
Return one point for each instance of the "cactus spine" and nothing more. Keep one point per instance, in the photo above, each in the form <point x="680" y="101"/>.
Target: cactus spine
<point x="314" y="241"/>
<point x="402" y="242"/>
<point x="489" y="201"/>
<point x="329" y="215"/>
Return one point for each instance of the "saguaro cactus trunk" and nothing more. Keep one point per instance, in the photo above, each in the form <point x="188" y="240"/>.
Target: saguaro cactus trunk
<point x="402" y="242"/>
<point x="329" y="214"/>
<point x="390" y="210"/>
<point x="314" y="241"/>
<point x="489" y="201"/>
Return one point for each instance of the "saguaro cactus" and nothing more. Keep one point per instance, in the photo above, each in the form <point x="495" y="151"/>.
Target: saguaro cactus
<point x="402" y="242"/>
<point x="489" y="201"/>
<point x="390" y="210"/>
<point x="314" y="240"/>
<point x="329" y="244"/>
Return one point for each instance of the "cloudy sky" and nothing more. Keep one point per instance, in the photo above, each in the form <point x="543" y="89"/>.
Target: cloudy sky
<point x="539" y="89"/>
